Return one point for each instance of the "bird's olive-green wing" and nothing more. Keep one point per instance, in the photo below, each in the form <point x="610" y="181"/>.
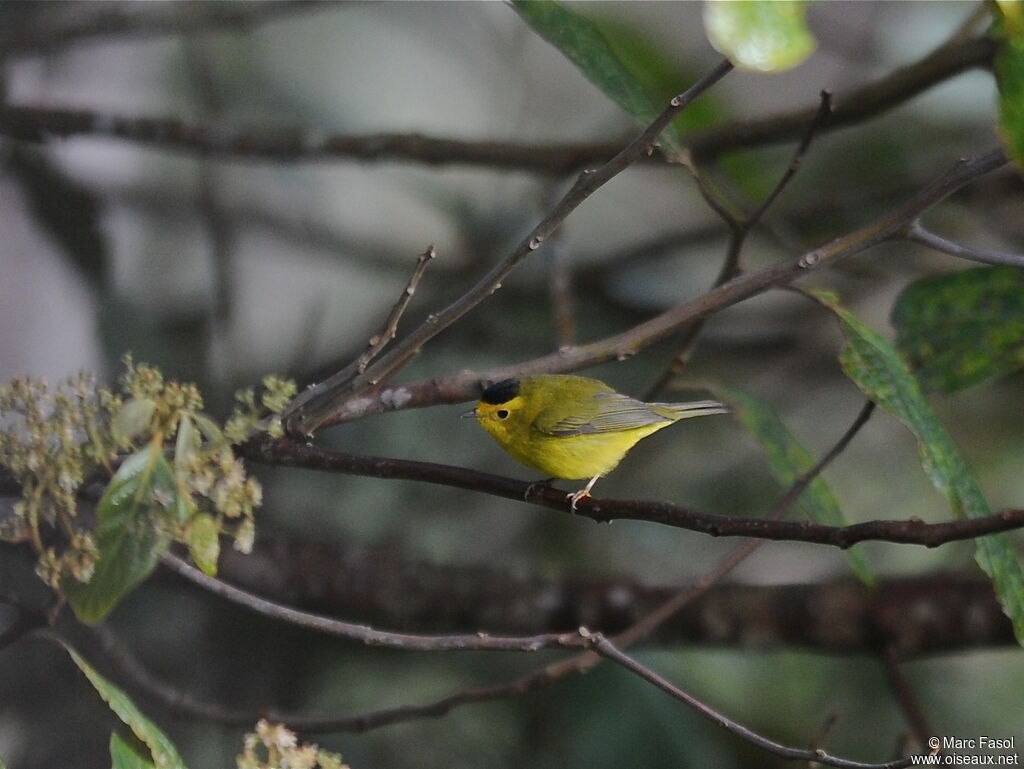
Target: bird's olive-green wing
<point x="604" y="412"/>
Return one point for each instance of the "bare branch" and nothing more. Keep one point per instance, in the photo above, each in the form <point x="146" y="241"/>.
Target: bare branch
<point x="34" y="123"/>
<point x="917" y="233"/>
<point x="363" y="633"/>
<point x="285" y="453"/>
<point x="465" y="386"/>
<point x="860" y="104"/>
<point x="608" y="650"/>
<point x="312" y="408"/>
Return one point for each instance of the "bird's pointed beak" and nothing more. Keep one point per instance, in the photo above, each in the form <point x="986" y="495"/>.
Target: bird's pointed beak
<point x="471" y="414"/>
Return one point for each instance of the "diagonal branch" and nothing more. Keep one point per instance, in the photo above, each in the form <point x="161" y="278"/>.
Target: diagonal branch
<point x="465" y="386"/>
<point x="608" y="650"/>
<point x="313" y="407"/>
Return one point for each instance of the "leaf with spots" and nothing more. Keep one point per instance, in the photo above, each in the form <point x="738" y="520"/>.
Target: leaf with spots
<point x="961" y="329"/>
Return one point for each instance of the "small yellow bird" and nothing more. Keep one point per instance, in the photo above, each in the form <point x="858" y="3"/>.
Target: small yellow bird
<point x="572" y="427"/>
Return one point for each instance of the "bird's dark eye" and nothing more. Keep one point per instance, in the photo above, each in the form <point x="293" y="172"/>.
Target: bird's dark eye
<point x="502" y="413"/>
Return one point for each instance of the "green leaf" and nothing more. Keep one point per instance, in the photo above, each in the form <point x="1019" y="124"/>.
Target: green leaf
<point x="203" y="539"/>
<point x="759" y="35"/>
<point x="130" y="533"/>
<point x="788" y="459"/>
<point x="958" y="330"/>
<point x="1009" y="69"/>
<point x="124" y="757"/>
<point x="583" y="43"/>
<point x="658" y="73"/>
<point x="165" y="755"/>
<point x="876" y="367"/>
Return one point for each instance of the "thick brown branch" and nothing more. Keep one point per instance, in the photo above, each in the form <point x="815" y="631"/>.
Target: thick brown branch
<point x="283" y="452"/>
<point x="297" y="144"/>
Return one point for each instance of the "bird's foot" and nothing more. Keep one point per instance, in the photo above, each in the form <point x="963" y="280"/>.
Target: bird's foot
<point x="575" y="497"/>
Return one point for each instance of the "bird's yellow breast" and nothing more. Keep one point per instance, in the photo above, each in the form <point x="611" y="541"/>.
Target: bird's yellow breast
<point x="576" y="457"/>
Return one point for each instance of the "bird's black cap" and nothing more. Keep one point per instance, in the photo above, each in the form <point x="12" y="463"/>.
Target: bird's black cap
<point x="500" y="392"/>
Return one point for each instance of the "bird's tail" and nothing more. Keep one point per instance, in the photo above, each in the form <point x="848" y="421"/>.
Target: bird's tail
<point x="691" y="409"/>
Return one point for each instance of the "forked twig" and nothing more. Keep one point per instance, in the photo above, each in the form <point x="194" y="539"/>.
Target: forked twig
<point x="740" y="229"/>
<point x="379" y="341"/>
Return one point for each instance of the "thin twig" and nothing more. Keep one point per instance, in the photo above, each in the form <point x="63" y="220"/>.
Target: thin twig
<point x="740" y="229"/>
<point x="560" y="289"/>
<point x="912" y="709"/>
<point x="364" y="633"/>
<point x="876" y="98"/>
<point x="816" y="124"/>
<point x="464" y="386"/>
<point x="608" y="650"/>
<point x="380" y="341"/>
<point x="917" y="233"/>
<point x="315" y="406"/>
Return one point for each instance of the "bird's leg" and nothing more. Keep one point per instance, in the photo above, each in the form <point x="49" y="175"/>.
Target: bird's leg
<point x="576" y="496"/>
<point x="535" y="486"/>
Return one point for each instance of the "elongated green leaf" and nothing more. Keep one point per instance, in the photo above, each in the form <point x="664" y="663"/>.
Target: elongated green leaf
<point x="1009" y="68"/>
<point x="876" y="367"/>
<point x="958" y="330"/>
<point x="124" y="757"/>
<point x="583" y="43"/>
<point x="788" y="459"/>
<point x="658" y="73"/>
<point x="129" y="534"/>
<point x="165" y="755"/>
<point x="759" y="35"/>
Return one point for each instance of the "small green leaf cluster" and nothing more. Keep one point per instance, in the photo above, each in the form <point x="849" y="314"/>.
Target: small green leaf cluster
<point x="177" y="477"/>
<point x="282" y="749"/>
